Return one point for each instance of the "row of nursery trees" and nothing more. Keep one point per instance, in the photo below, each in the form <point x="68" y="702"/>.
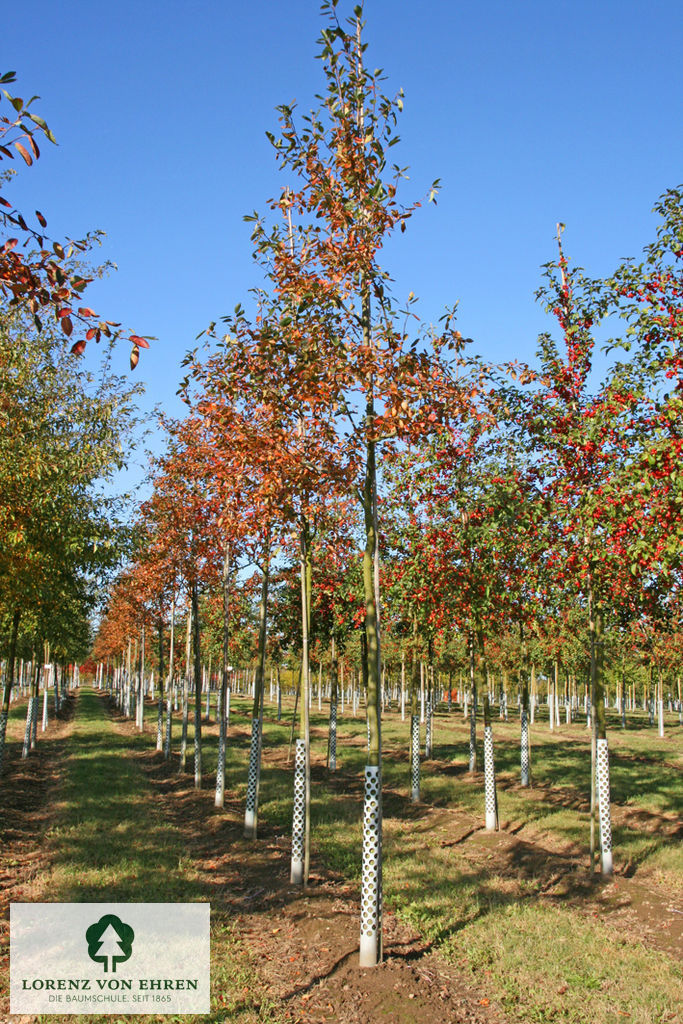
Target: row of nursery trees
<point x="393" y="491"/>
<point x="62" y="429"/>
<point x="405" y="491"/>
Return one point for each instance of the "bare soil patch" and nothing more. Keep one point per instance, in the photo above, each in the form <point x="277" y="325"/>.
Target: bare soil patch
<point x="28" y="791"/>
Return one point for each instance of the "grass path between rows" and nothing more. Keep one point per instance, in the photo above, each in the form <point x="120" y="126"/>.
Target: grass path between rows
<point x="110" y="841"/>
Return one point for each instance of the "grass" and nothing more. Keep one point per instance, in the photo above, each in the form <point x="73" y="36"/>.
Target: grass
<point x="545" y="964"/>
<point x="544" y="960"/>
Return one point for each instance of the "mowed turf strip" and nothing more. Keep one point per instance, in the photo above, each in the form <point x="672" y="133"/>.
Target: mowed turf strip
<point x="111" y="842"/>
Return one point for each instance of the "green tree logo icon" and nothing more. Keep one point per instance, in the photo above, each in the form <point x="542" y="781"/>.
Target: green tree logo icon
<point x="110" y="941"/>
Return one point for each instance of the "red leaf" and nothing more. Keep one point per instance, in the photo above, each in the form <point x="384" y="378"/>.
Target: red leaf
<point x="135" y="339"/>
<point x="89" y="334"/>
<point x="86" y="311"/>
<point x="24" y="152"/>
<point x="41" y="219"/>
<point x="134" y="357"/>
<point x="67" y="326"/>
<point x="78" y="348"/>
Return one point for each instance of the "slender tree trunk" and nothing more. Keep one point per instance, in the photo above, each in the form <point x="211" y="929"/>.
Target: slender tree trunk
<point x="473" y="707"/>
<point x="301" y="809"/>
<point x="31" y="709"/>
<point x="46" y="684"/>
<point x="429" y="723"/>
<point x="186" y="693"/>
<point x="197" y="688"/>
<point x="595" y="617"/>
<point x="9" y="679"/>
<point x="414" y="723"/>
<point x="297" y="696"/>
<point x="371" y="880"/>
<point x="222" y="717"/>
<point x="254" y="776"/>
<point x="169" y="686"/>
<point x="279" y="693"/>
<point x="524" y="712"/>
<point x="332" y="742"/>
<point x="160" y="707"/>
<point x="490" y="794"/>
<point x="141" y="683"/>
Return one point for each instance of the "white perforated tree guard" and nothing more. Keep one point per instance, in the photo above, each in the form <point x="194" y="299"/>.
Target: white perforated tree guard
<point x="197" y="748"/>
<point x="160" y="724"/>
<point x="371" y="888"/>
<point x="34" y="721"/>
<point x="46" y="680"/>
<point x="524" y="752"/>
<point x="333" y="736"/>
<point x="415" y="757"/>
<point x="299" y="814"/>
<point x="250" y="813"/>
<point x="473" y="741"/>
<point x="219" y="798"/>
<point x="602" y="773"/>
<point x="3" y="734"/>
<point x="29" y="726"/>
<point x="490" y="802"/>
<point x="428" y="730"/>
<point x="45" y="721"/>
<point x="169" y="720"/>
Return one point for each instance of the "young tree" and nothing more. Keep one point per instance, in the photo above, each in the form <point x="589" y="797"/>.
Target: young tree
<point x="338" y="349"/>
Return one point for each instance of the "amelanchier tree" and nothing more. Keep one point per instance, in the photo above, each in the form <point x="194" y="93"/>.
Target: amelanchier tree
<point x="280" y="454"/>
<point x="589" y="445"/>
<point x="345" y="351"/>
<point x="184" y="511"/>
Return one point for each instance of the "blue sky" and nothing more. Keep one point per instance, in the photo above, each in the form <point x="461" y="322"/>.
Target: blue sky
<point x="529" y="113"/>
